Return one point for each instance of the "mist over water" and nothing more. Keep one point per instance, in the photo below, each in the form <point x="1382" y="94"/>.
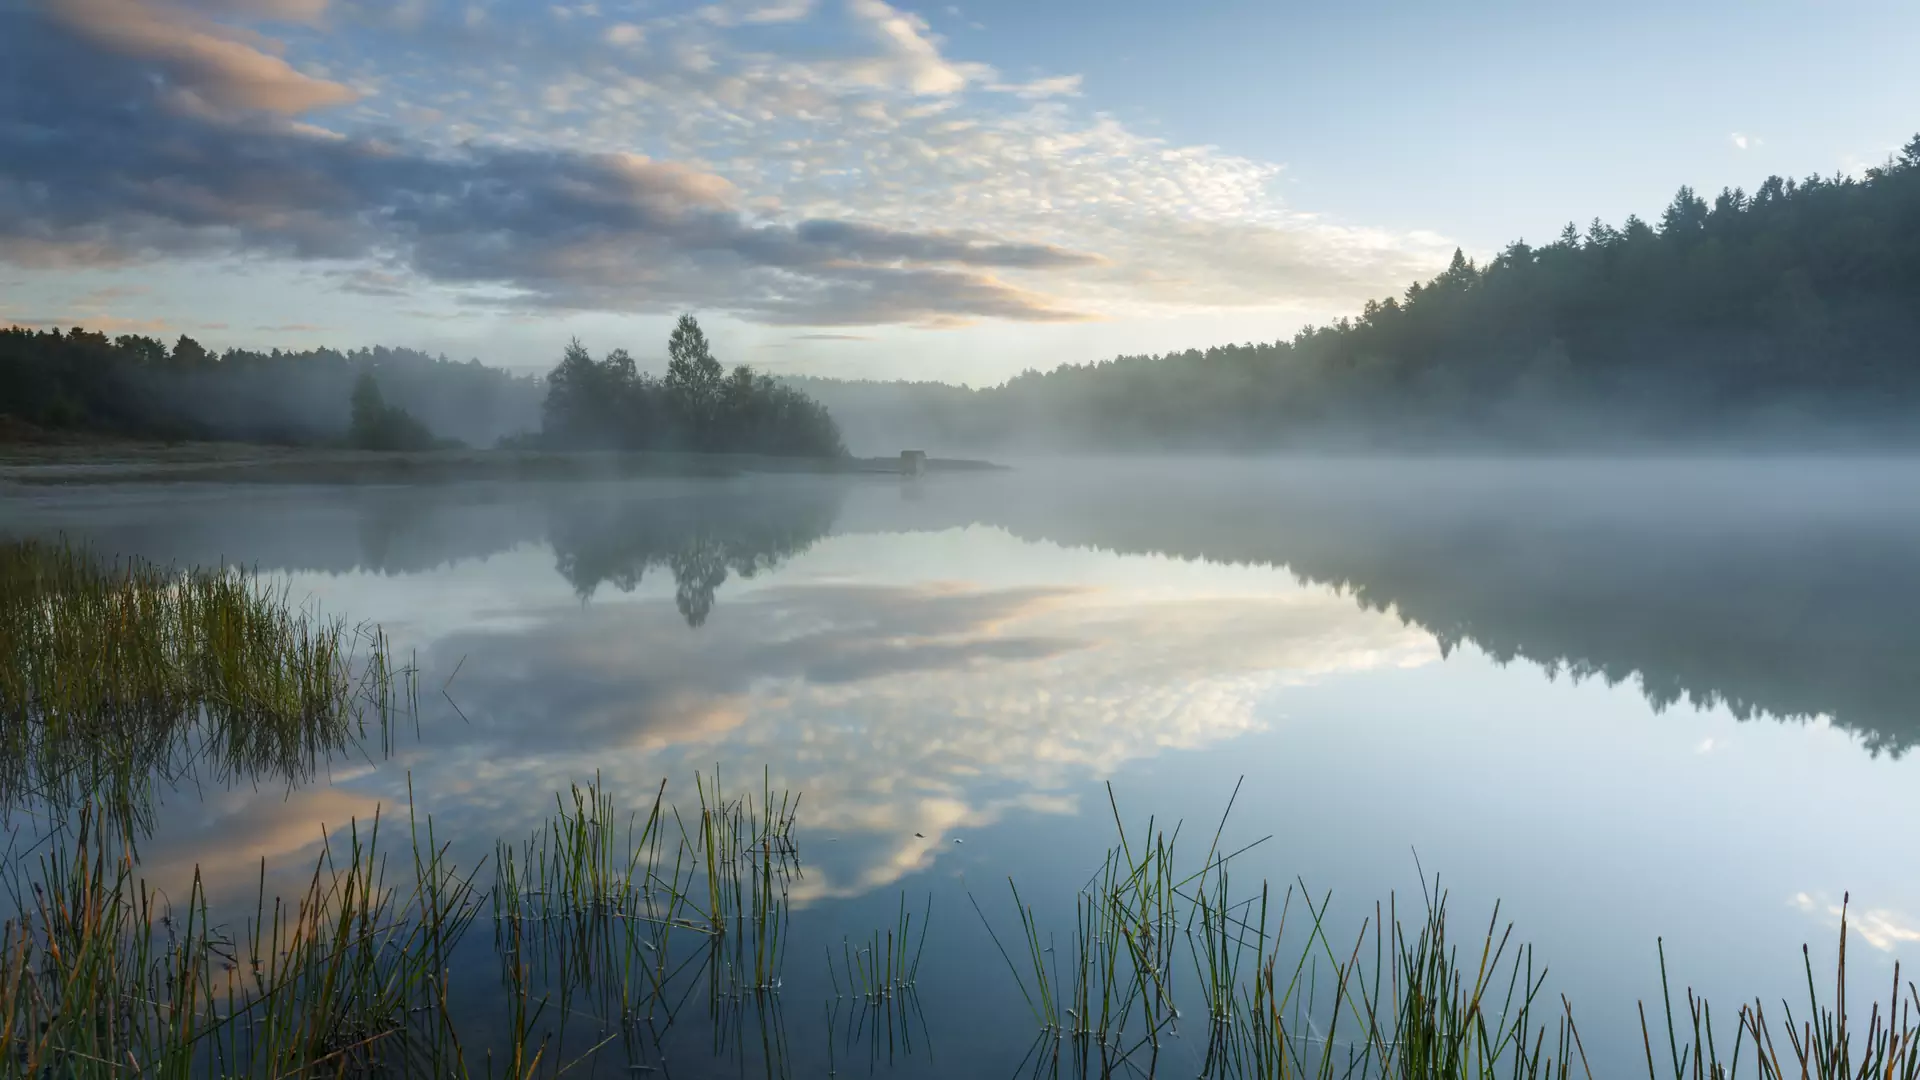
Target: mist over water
<point x="1630" y="699"/>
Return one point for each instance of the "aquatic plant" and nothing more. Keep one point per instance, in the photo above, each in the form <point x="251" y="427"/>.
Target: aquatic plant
<point x="117" y="672"/>
<point x="1402" y="1002"/>
<point x="100" y="974"/>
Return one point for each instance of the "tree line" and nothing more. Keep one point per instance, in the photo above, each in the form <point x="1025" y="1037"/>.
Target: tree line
<point x="132" y="385"/>
<point x="1790" y="309"/>
<point x="379" y="398"/>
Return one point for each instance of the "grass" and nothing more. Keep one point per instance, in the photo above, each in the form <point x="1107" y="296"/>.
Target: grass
<point x="609" y="923"/>
<point x="1402" y="1000"/>
<point x="114" y="673"/>
<point x="102" y="975"/>
<point x="887" y="966"/>
<point x="621" y="921"/>
<point x="1817" y="1044"/>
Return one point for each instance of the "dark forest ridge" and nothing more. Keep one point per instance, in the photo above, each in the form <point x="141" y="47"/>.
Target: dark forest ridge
<point x="1793" y="310"/>
<point x="1790" y="312"/>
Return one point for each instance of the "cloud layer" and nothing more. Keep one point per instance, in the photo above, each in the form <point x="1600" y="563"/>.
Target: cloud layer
<point x="560" y="158"/>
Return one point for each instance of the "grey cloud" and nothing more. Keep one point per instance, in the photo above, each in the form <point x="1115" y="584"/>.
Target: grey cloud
<point x="210" y="65"/>
<point x="101" y="162"/>
<point x="368" y="282"/>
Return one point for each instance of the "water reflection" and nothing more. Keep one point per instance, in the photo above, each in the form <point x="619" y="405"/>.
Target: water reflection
<point x="968" y="662"/>
<point x="1778" y="590"/>
<point x="698" y="539"/>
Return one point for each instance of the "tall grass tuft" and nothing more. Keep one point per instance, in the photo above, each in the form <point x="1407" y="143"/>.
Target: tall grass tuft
<point x="617" y="920"/>
<point x="101" y="975"/>
<point x="1152" y="932"/>
<point x="1821" y="1044"/>
<point x="115" y="671"/>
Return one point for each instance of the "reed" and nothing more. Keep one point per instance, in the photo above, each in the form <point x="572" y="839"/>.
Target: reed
<point x="616" y="921"/>
<point x="1821" y="1043"/>
<point x="1149" y="934"/>
<point x="884" y="967"/>
<point x="100" y="975"/>
<point x="114" y="673"/>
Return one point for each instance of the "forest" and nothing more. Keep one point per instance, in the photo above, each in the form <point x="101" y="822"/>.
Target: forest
<point x="134" y="386"/>
<point x="82" y="383"/>
<point x="1791" y="312"/>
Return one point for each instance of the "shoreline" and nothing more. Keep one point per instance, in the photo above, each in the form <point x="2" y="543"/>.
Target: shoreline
<point x="107" y="462"/>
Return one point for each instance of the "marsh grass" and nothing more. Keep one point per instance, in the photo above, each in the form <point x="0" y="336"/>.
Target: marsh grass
<point x="1157" y="943"/>
<point x="114" y="673"/>
<point x="887" y="965"/>
<point x="1818" y="1043"/>
<point x="102" y="975"/>
<point x="615" y="922"/>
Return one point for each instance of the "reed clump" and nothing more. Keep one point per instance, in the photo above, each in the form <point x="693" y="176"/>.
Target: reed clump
<point x="101" y="974"/>
<point x="887" y="965"/>
<point x="1821" y="1043"/>
<point x="619" y="919"/>
<point x="113" y="672"/>
<point x="1157" y="943"/>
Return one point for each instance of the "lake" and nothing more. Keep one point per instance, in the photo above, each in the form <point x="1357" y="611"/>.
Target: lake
<point x="1632" y="702"/>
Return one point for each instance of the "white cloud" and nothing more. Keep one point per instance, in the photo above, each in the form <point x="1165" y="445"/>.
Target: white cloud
<point x="874" y="124"/>
<point x="1053" y="86"/>
<point x="1883" y="928"/>
<point x="909" y="54"/>
<point x="1745" y="142"/>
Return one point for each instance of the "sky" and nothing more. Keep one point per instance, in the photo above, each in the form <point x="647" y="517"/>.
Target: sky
<point x="862" y="189"/>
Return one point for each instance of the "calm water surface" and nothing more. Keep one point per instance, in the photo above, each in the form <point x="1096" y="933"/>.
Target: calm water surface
<point x="1629" y="701"/>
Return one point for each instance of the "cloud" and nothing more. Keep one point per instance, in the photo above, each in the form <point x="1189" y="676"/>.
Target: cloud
<point x="735" y="14"/>
<point x="909" y="53"/>
<point x="103" y="168"/>
<point x="831" y="337"/>
<point x="204" y="64"/>
<point x="1054" y="86"/>
<point x="643" y="164"/>
<point x="369" y="282"/>
<point x="1744" y="142"/>
<point x="106" y="324"/>
<point x="623" y="34"/>
<point x="110" y="294"/>
<point x="1883" y="928"/>
<point x="293" y="328"/>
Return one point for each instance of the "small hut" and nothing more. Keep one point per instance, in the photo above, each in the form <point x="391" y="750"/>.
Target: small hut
<point x="913" y="462"/>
